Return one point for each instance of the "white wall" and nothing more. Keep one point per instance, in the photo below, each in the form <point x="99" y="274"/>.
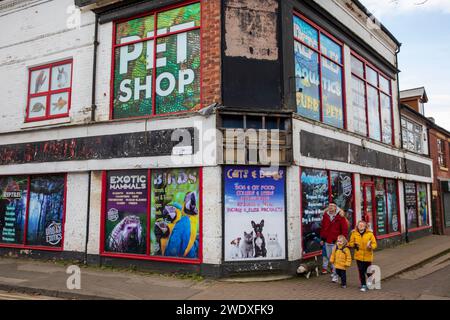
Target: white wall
<point x="76" y="212"/>
<point x="34" y="34"/>
<point x="293" y="195"/>
<point x="212" y="215"/>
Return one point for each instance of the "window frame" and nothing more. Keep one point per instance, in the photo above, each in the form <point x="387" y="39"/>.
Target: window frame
<point x="147" y="256"/>
<point x="318" y="51"/>
<point x="380" y="90"/>
<point x="49" y="92"/>
<point x="155" y="38"/>
<point x="330" y="199"/>
<point x="416" y="184"/>
<point x="372" y="183"/>
<point x="441" y="151"/>
<point x="405" y="129"/>
<point x="24" y="244"/>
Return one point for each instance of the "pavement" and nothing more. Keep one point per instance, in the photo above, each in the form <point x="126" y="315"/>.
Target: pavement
<point x="416" y="260"/>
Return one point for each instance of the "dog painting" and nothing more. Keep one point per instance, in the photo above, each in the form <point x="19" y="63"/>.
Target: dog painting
<point x="235" y="248"/>
<point x="126" y="235"/>
<point x="259" y="242"/>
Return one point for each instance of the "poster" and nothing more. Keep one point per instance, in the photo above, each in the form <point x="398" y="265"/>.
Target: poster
<point x="13" y="203"/>
<point x="333" y="113"/>
<point x="45" y="220"/>
<point x="423" y="204"/>
<point x="342" y="193"/>
<point x="307" y="82"/>
<point x="176" y="84"/>
<point x="254" y="206"/>
<point x="315" y="198"/>
<point x="380" y="200"/>
<point x="411" y="205"/>
<point x="391" y="193"/>
<point x="126" y="212"/>
<point x="175" y="213"/>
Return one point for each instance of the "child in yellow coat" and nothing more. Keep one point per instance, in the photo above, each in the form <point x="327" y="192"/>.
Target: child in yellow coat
<point x="341" y="258"/>
<point x="364" y="242"/>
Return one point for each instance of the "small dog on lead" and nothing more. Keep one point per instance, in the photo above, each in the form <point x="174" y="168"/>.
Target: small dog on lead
<point x="308" y="267"/>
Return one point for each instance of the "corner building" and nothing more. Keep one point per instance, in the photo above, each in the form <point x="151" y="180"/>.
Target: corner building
<point x="115" y="143"/>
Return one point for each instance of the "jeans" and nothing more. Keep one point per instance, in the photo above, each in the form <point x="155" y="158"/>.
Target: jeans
<point x="343" y="275"/>
<point x="326" y="260"/>
<point x="362" y="269"/>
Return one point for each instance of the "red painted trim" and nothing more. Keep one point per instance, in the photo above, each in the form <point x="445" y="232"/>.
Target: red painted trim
<point x="389" y="235"/>
<point x="147" y="256"/>
<point x="419" y="228"/>
<point x="63" y="220"/>
<point x="312" y="255"/>
<point x="155" y="38"/>
<point x="150" y="258"/>
<point x="200" y="222"/>
<point x="103" y="212"/>
<point x="27" y="214"/>
<point x="49" y="92"/>
<point x="354" y="201"/>
<point x="320" y="29"/>
<point x="400" y="229"/>
<point x="113" y="64"/>
<point x="155" y="41"/>
<point x="330" y="199"/>
<point x="149" y="195"/>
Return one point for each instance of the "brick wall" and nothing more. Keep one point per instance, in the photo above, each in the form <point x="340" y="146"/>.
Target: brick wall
<point x="442" y="174"/>
<point x="211" y="52"/>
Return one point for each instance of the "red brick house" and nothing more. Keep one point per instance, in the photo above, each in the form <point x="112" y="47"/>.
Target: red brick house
<point x="427" y="137"/>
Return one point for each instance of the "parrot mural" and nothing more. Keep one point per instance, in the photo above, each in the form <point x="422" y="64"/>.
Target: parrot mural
<point x="183" y="241"/>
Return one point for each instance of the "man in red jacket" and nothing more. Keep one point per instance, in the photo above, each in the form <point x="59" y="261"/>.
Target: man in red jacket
<point x="334" y="224"/>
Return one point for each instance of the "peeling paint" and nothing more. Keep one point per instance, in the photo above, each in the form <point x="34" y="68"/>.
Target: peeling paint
<point x="251" y="29"/>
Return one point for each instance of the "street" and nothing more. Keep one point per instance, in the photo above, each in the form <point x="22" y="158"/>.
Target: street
<point x="429" y="281"/>
<point x="20" y="296"/>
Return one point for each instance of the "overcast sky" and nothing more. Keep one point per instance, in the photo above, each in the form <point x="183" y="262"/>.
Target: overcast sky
<point x="423" y="28"/>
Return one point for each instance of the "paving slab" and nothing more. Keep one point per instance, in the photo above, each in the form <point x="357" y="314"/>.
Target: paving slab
<point x="50" y="279"/>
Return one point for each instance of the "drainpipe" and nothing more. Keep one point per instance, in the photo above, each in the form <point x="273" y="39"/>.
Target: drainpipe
<point x="88" y="219"/>
<point x="401" y="139"/>
<point x="94" y="70"/>
<point x="93" y="109"/>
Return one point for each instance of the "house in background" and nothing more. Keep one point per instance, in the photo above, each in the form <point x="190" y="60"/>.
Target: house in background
<point x="422" y="135"/>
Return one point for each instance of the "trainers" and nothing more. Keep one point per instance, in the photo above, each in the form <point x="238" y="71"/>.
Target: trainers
<point x="343" y="286"/>
<point x="363" y="289"/>
<point x="335" y="279"/>
<point x="324" y="271"/>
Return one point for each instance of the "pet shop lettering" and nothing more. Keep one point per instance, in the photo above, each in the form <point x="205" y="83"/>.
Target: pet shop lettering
<point x="137" y="182"/>
<point x="166" y="82"/>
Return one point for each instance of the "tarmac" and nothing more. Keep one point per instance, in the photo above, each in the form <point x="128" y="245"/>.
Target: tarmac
<point x="49" y="278"/>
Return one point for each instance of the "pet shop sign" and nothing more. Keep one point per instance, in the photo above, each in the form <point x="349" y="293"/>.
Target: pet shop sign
<point x="254" y="213"/>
